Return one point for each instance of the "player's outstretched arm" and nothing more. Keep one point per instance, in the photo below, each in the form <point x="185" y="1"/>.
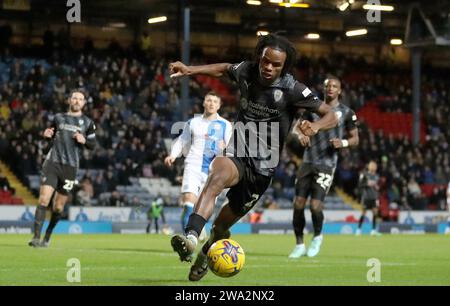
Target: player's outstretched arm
<point x="305" y="141"/>
<point x="178" y="69"/>
<point x="328" y="121"/>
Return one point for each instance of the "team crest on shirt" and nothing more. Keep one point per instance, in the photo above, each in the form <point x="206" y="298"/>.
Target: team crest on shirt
<point x="80" y="122"/>
<point x="339" y="115"/>
<point x="277" y="95"/>
<point x="244" y="103"/>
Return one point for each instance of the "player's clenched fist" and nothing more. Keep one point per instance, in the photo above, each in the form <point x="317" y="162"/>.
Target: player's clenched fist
<point x="177" y="69"/>
<point x="336" y="143"/>
<point x="48" y="133"/>
<point x="308" y="128"/>
<point x="79" y="138"/>
<point x="305" y="141"/>
<point x="169" y="161"/>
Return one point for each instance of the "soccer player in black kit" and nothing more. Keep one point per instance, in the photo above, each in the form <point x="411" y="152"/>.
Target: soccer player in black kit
<point x="269" y="100"/>
<point x="315" y="175"/>
<point x="368" y="183"/>
<point x="70" y="133"/>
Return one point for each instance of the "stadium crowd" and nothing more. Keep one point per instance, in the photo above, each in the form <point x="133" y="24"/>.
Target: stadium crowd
<point x="134" y="103"/>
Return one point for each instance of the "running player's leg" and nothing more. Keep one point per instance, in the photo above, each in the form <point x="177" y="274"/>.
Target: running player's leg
<point x="302" y="192"/>
<point x="223" y="174"/>
<point x="361" y="220"/>
<point x="317" y="220"/>
<point x="374" y="220"/>
<point x="299" y="223"/>
<point x="188" y="200"/>
<point x="220" y="230"/>
<point x="242" y="197"/>
<point x="59" y="202"/>
<point x="66" y="181"/>
<point x="190" y="190"/>
<point x="317" y="216"/>
<point x="49" y="183"/>
<point x="299" y="220"/>
<point x="45" y="196"/>
<point x="320" y="185"/>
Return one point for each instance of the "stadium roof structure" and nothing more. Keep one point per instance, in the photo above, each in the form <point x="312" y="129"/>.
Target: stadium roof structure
<point x="236" y="16"/>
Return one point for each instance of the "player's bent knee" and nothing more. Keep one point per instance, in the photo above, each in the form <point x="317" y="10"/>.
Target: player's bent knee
<point x="44" y="201"/>
<point x="216" y="183"/>
<point x="316" y="207"/>
<point x="299" y="203"/>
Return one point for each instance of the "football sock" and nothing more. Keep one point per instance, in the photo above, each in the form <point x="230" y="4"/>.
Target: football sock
<point x="39" y="218"/>
<point x="361" y="220"/>
<point x="299" y="224"/>
<point x="317" y="218"/>
<point x="188" y="208"/>
<point x="56" y="216"/>
<point x="195" y="225"/>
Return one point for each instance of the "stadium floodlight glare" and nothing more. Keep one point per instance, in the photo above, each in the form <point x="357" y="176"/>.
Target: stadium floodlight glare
<point x="374" y="7"/>
<point x="312" y="36"/>
<point x="351" y="1"/>
<point x="396" y="42"/>
<point x="157" y="19"/>
<point x="293" y="1"/>
<point x="343" y="6"/>
<point x="298" y="5"/>
<point x="356" y="32"/>
<point x="253" y="2"/>
<point x="275" y="1"/>
<point x="262" y="33"/>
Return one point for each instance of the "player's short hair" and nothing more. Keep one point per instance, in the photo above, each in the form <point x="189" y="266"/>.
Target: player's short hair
<point x="332" y="77"/>
<point x="79" y="90"/>
<point x="277" y="42"/>
<point x="214" y="94"/>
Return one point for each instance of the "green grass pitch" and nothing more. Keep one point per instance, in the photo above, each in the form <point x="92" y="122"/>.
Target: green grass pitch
<point x="149" y="260"/>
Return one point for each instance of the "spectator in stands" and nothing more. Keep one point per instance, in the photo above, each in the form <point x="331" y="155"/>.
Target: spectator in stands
<point x="4" y="184"/>
<point x="111" y="181"/>
<point x="116" y="199"/>
<point x="99" y="185"/>
<point x="86" y="193"/>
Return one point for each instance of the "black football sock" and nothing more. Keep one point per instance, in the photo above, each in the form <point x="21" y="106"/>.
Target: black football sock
<point x="195" y="225"/>
<point x="39" y="218"/>
<point x="317" y="218"/>
<point x="361" y="220"/>
<point x="56" y="216"/>
<point x="299" y="224"/>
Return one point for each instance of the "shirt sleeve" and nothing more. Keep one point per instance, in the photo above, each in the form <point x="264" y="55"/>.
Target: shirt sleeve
<point x="236" y="70"/>
<point x="351" y="121"/>
<point x="182" y="141"/>
<point x="90" y="136"/>
<point x="228" y="132"/>
<point x="302" y="97"/>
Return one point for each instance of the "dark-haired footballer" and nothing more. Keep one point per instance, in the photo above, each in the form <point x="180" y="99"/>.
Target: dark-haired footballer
<point x="70" y="133"/>
<point x="315" y="176"/>
<point x="270" y="98"/>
